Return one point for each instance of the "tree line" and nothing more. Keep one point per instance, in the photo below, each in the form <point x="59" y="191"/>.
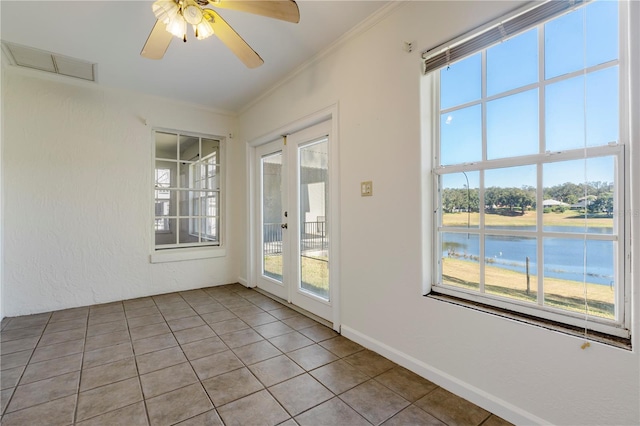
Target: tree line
<point x="598" y="196"/>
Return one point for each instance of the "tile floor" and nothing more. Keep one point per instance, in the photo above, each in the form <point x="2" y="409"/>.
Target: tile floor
<point x="219" y="355"/>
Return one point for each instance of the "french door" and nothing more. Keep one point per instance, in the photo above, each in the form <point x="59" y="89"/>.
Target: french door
<point x="294" y="219"/>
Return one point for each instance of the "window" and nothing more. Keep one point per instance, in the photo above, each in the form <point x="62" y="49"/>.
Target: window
<point x="530" y="172"/>
<point x="187" y="189"/>
<point x="163" y="199"/>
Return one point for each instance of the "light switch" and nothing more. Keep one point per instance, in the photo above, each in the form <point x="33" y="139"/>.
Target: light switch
<point x="366" y="188"/>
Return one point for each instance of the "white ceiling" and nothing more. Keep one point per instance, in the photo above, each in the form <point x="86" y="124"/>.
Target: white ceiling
<point x="205" y="72"/>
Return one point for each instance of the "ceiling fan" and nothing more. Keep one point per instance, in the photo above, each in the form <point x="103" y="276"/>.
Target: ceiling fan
<point x="174" y="15"/>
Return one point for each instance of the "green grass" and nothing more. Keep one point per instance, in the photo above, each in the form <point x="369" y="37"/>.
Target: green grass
<point x="506" y="218"/>
<point x="314" y="271"/>
<point x="562" y="294"/>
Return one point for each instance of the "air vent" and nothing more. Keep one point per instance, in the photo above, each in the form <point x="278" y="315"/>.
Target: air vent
<point x="42" y="60"/>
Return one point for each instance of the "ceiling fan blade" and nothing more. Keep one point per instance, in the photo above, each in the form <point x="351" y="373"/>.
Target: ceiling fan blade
<point x="157" y="42"/>
<point x="234" y="42"/>
<point x="286" y="10"/>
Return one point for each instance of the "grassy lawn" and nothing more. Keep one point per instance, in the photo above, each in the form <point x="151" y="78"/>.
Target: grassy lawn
<point x="567" y="218"/>
<point x="315" y="272"/>
<point x="559" y="293"/>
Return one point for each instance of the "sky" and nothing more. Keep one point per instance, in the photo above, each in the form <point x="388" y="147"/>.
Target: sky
<point x="579" y="111"/>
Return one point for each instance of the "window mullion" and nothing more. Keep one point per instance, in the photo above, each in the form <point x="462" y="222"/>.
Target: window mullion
<point x="178" y="212"/>
<point x="539" y="239"/>
<point x="178" y="184"/>
<point x="481" y="238"/>
<point x="540" y="177"/>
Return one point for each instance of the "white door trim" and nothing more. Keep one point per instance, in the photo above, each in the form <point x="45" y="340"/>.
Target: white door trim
<point x="329" y="113"/>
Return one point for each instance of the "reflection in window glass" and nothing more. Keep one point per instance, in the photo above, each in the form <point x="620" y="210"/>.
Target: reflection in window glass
<point x="210" y="146"/>
<point x="461" y="136"/>
<point x="165" y="235"/>
<point x="166" y="145"/>
<point x="163" y="198"/>
<point x="460" y="254"/>
<point x="210" y="226"/>
<point x="187" y="191"/>
<point x="502" y="74"/>
<point x="189" y="148"/>
<point x="512" y="125"/>
<point x="461" y="82"/>
<point x="189" y="230"/>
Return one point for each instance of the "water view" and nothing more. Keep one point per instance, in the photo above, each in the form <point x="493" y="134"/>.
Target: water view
<point x="564" y="258"/>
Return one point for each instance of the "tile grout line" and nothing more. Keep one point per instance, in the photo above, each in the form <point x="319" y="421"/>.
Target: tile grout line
<point x="166" y="321"/>
<point x="251" y="303"/>
<point x="15" y="388"/>
<point x="266" y="388"/>
<point x="135" y="363"/>
<point x="84" y="345"/>
<point x="215" y="407"/>
<point x="244" y="364"/>
<point x="199" y="381"/>
<point x="305" y="371"/>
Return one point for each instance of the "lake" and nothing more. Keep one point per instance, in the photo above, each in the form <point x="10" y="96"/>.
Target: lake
<point x="564" y="258"/>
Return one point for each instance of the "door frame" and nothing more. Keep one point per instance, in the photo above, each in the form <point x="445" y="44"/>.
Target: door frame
<point x="328" y="114"/>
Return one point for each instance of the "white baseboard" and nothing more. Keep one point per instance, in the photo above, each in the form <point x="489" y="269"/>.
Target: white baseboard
<point x="477" y="396"/>
<point x="243" y="281"/>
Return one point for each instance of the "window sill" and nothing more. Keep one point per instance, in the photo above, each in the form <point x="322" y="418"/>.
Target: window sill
<point x="594" y="336"/>
<point x="182" y="254"/>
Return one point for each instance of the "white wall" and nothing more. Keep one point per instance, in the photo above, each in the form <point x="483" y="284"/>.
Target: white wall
<point x="78" y="194"/>
<point x="2" y="66"/>
<point x="524" y="373"/>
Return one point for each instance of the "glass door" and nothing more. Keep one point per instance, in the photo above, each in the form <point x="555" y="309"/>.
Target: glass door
<point x="272" y="219"/>
<point x="309" y="151"/>
<point x="294" y="254"/>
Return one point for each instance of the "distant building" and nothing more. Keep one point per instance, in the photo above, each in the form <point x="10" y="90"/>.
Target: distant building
<point x="553" y="203"/>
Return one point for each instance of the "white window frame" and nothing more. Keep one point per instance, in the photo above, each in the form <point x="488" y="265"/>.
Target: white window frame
<point x="620" y="326"/>
<point x="206" y="247"/>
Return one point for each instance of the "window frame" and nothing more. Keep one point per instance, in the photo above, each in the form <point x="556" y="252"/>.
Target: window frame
<point x="620" y="326"/>
<point x="193" y="250"/>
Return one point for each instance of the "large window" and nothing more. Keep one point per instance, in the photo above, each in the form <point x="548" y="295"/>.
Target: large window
<point x="530" y="172"/>
<point x="187" y="190"/>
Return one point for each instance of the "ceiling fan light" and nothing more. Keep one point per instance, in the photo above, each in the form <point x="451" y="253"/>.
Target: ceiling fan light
<point x="177" y="26"/>
<point x="203" y="30"/>
<point x="192" y="13"/>
<point x="165" y="10"/>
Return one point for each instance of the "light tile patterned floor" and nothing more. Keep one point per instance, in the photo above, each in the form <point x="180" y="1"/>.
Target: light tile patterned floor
<point x="219" y="355"/>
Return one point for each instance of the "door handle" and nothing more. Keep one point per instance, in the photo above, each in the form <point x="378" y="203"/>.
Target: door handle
<point x="284" y="226"/>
